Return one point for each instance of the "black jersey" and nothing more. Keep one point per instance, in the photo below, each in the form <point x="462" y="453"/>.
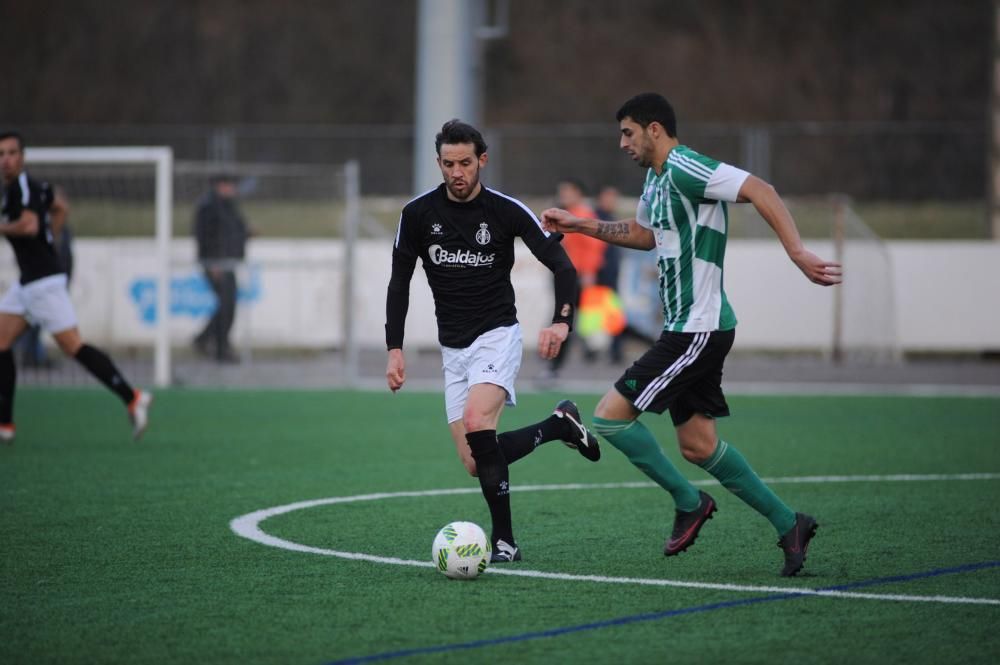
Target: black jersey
<point x="467" y="250"/>
<point x="36" y="254"/>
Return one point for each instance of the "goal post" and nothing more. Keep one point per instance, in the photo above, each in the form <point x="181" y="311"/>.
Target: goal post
<point x="864" y="315"/>
<point x="161" y="158"/>
<point x="143" y="293"/>
<point x="352" y="226"/>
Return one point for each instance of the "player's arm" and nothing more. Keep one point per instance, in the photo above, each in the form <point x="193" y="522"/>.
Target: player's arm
<point x="770" y="206"/>
<point x="550" y="252"/>
<point x="25" y="225"/>
<point x="397" y="303"/>
<point x="58" y="212"/>
<point x="626" y="233"/>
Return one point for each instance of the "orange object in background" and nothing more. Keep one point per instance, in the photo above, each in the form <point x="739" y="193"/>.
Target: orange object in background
<point x="600" y="312"/>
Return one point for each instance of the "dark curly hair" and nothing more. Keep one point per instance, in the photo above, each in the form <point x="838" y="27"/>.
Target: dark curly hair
<point x="455" y="131"/>
<point x="649" y="107"/>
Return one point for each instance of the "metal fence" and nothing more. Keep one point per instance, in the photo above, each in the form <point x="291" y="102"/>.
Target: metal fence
<point x="868" y="161"/>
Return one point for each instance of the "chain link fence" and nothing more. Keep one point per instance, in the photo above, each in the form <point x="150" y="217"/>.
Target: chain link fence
<point x="867" y="161"/>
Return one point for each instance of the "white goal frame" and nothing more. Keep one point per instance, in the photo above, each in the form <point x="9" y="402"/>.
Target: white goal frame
<point x="162" y="159"/>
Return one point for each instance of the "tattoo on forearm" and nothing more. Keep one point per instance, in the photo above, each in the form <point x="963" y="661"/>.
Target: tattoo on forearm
<point x="612" y="230"/>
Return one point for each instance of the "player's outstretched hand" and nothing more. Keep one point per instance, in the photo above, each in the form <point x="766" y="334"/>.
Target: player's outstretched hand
<point x="558" y="220"/>
<point x="824" y="273"/>
<point x="551" y="339"/>
<point x="395" y="370"/>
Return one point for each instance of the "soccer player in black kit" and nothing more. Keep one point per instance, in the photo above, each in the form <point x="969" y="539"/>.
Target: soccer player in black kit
<point x="41" y="294"/>
<point x="463" y="233"/>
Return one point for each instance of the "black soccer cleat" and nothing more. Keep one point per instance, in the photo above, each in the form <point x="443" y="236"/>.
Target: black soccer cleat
<point x="578" y="436"/>
<point x="795" y="543"/>
<point x="504" y="552"/>
<point x="688" y="524"/>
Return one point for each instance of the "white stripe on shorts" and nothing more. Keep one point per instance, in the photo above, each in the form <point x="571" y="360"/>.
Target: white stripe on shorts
<point x="660" y="383"/>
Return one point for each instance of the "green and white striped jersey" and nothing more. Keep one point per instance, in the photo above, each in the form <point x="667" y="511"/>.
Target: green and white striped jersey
<point x="685" y="207"/>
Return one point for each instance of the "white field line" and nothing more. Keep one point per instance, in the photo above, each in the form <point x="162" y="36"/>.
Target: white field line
<point x="769" y="388"/>
<point x="248" y="526"/>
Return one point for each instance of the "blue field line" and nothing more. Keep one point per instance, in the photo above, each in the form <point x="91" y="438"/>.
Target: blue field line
<point x="654" y="616"/>
<point x="968" y="568"/>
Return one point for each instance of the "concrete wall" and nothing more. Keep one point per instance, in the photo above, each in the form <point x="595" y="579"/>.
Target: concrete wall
<point x="932" y="296"/>
<point x="947" y="295"/>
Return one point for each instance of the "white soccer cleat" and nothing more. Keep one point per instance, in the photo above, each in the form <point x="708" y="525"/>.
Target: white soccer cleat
<point x="138" y="413"/>
<point x="7" y="433"/>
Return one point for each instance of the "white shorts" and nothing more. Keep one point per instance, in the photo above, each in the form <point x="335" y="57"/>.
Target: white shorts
<point x="495" y="357"/>
<point x="44" y="302"/>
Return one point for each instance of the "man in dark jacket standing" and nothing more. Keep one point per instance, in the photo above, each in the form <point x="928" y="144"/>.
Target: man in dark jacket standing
<point x="221" y="234"/>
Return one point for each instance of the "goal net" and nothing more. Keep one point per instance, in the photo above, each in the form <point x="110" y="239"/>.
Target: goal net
<point x="141" y="293"/>
<point x="860" y="322"/>
<point x="864" y="318"/>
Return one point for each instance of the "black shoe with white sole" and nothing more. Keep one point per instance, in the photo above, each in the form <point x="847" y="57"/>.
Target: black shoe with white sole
<point x="577" y="435"/>
<point x="504" y="552"/>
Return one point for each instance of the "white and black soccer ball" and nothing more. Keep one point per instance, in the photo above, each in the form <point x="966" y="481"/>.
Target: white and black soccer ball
<point x="461" y="551"/>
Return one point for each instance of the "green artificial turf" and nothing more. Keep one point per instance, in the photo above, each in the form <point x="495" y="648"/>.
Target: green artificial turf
<point x="117" y="552"/>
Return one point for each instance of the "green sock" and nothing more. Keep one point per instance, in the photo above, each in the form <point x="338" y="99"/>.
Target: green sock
<point x="640" y="446"/>
<point x="732" y="470"/>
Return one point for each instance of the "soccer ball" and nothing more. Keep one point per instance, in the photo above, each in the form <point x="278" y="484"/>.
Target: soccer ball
<point x="461" y="551"/>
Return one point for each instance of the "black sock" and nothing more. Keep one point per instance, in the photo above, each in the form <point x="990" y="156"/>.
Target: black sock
<point x="493" y="479"/>
<point x="8" y="377"/>
<point x="100" y="365"/>
<point x="517" y="443"/>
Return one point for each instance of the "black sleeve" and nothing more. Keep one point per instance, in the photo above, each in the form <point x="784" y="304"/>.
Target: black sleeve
<point x="555" y="259"/>
<point x="397" y="299"/>
<point x="548" y="250"/>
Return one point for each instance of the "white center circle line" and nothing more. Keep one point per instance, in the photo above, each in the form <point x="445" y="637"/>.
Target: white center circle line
<point x="248" y="526"/>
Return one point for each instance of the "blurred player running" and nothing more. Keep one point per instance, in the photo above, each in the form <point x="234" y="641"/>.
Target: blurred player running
<point x="41" y="294"/>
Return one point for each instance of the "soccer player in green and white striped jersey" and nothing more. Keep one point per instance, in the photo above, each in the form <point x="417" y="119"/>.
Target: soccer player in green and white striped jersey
<point x="683" y="215"/>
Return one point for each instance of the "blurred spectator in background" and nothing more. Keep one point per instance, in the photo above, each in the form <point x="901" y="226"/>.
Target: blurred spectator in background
<point x="606" y="207"/>
<point x="610" y="275"/>
<point x="221" y="234"/>
<point x="587" y="255"/>
<point x="30" y="350"/>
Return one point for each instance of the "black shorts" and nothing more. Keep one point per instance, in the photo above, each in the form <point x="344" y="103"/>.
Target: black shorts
<point x="681" y="372"/>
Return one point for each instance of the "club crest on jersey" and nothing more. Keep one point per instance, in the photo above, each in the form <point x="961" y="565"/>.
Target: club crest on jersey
<point x="483" y="236"/>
